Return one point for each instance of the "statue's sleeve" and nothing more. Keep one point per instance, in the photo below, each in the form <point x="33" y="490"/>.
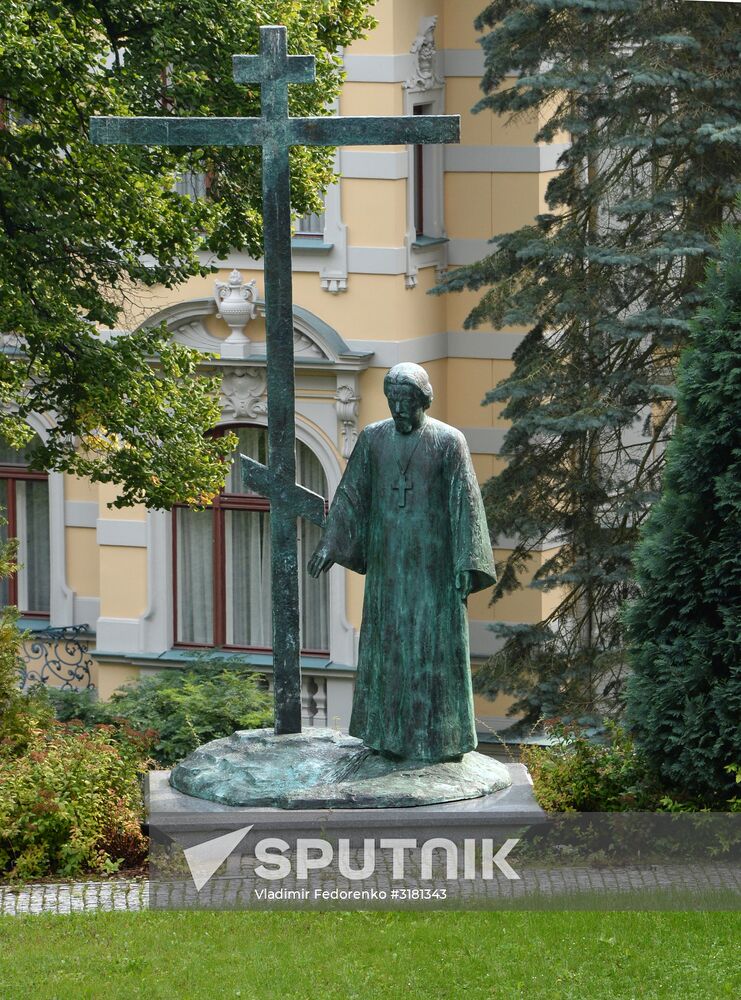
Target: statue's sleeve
<point x="470" y="532"/>
<point x="346" y="527"/>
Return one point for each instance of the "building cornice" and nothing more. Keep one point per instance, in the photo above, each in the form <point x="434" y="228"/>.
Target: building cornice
<point x="399" y="67"/>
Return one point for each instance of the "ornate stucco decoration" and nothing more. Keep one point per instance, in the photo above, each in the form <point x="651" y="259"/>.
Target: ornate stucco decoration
<point x="424" y="73"/>
<point x="316" y="344"/>
<point x="194" y="334"/>
<point x="243" y="394"/>
<point x="334" y="285"/>
<point x="236" y="303"/>
<point x="346" y="403"/>
<point x="305" y="347"/>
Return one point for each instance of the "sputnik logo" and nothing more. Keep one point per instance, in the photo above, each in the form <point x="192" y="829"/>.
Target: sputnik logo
<point x="204" y="859"/>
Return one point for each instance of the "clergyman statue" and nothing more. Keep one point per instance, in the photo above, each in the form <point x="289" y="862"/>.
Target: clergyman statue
<point x="408" y="514"/>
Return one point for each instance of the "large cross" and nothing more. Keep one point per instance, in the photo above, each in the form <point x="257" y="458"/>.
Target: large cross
<point x="275" y="131"/>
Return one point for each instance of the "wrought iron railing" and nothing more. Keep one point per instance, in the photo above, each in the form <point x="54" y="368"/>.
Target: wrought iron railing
<point x="58" y="658"/>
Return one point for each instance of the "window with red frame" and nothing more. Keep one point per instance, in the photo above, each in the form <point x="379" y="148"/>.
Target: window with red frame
<point x="24" y="505"/>
<point x="221" y="559"/>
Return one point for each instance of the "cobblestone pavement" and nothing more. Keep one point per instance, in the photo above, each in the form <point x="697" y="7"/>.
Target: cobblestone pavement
<point x="75" y="897"/>
<point x="133" y="896"/>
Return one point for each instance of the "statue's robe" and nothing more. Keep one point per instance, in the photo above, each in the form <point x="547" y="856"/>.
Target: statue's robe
<point x="413" y="696"/>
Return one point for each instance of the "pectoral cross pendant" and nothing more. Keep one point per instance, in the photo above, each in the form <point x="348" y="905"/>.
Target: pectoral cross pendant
<point x="405" y="484"/>
<point x="401" y="489"/>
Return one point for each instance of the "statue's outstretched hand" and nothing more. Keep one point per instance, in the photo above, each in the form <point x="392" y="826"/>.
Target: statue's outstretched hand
<point x="320" y="561"/>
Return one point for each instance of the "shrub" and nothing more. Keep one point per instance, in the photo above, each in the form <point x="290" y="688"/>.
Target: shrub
<point x="21" y="715"/>
<point x="71" y="803"/>
<point x="577" y="774"/>
<point x="79" y="706"/>
<point x="185" y="708"/>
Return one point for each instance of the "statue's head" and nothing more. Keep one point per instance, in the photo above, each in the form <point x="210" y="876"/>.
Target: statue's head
<point x="409" y="394"/>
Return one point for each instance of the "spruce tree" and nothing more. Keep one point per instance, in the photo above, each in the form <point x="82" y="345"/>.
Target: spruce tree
<point x="684" y="693"/>
<point x="604" y="283"/>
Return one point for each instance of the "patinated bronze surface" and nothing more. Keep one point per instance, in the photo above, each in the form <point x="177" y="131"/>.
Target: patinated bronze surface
<point x="273" y="69"/>
<point x="408" y="514"/>
<point x="322" y="769"/>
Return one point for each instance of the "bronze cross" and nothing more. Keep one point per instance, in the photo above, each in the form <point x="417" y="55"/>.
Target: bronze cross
<point x="276" y="132"/>
<point x="402" y="487"/>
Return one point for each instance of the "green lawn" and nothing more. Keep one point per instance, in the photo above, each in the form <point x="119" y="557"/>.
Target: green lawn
<point x="281" y="956"/>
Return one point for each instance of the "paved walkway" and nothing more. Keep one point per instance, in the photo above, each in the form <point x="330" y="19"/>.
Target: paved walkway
<point x="75" y="897"/>
<point x="134" y="896"/>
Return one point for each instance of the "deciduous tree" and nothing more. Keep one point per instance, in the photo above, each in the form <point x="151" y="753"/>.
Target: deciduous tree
<point x="82" y="227"/>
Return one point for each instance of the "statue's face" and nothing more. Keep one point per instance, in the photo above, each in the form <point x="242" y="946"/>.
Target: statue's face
<point x="407" y="407"/>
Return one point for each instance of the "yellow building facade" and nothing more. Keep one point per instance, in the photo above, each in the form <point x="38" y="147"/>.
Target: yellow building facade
<point x="395" y="220"/>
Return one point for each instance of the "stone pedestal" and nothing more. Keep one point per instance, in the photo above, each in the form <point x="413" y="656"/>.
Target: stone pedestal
<point x="511" y="808"/>
<point x="210" y="855"/>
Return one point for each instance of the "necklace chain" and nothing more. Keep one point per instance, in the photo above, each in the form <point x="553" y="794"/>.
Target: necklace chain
<point x="403" y="469"/>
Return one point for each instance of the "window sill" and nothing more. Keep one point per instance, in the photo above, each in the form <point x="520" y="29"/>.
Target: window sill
<point x="423" y="242"/>
<point x="181" y="656"/>
<point x="32" y="624"/>
<point x="307" y="244"/>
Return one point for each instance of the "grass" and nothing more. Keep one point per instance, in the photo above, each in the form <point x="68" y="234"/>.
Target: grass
<point x="370" y="956"/>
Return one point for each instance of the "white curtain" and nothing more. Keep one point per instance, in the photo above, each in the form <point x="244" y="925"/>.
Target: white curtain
<point x="249" y="605"/>
<point x="247" y="555"/>
<point x="31" y="529"/>
<point x="313" y="594"/>
<point x="247" y="562"/>
<point x="32" y="513"/>
<point x="195" y="576"/>
<point x="248" y="598"/>
<point x="253" y="442"/>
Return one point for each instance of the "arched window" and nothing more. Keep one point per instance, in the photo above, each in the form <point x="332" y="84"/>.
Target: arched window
<point x="24" y="504"/>
<point x="222" y="562"/>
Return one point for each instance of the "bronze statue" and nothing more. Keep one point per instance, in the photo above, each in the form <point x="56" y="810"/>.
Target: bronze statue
<point x="408" y="514"/>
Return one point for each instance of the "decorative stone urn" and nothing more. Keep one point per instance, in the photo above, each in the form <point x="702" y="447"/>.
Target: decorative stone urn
<point x="236" y="304"/>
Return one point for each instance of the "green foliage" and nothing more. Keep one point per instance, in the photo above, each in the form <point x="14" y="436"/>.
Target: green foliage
<point x="10" y="637"/>
<point x="605" y="283"/>
<point x="577" y="774"/>
<point x="181" y="708"/>
<point x="10" y="641"/>
<point x="21" y="715"/>
<point x="70" y="803"/>
<point x="684" y="695"/>
<point x="84" y="229"/>
<point x="734" y="770"/>
<point x="81" y="707"/>
<point x="24" y="716"/>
